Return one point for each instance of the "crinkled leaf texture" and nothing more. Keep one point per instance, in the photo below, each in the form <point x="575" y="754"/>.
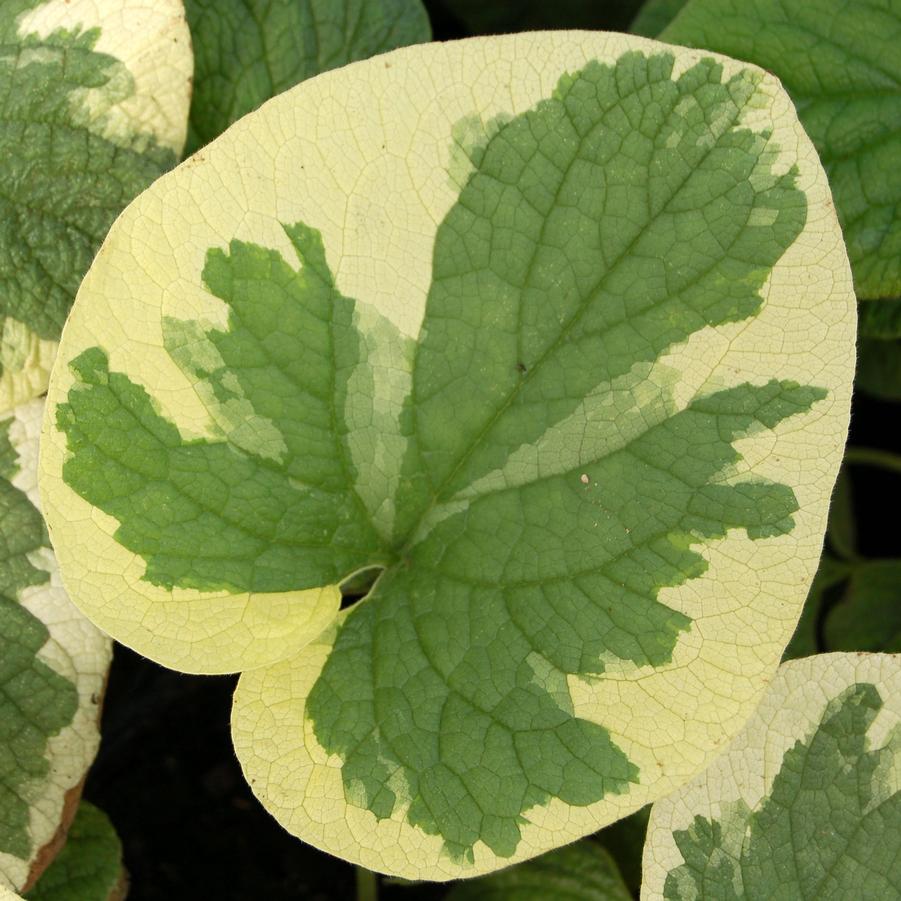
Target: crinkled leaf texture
<point x="804" y="804"/>
<point x="93" y="107"/>
<point x="839" y="60"/>
<point x="246" y="51"/>
<point x="89" y="867"/>
<point x="560" y="352"/>
<point x="53" y="663"/>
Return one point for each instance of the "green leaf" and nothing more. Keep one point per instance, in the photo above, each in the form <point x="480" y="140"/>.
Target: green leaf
<point x="246" y="51"/>
<point x="838" y="59"/>
<point x="805" y="802"/>
<point x="879" y="368"/>
<point x="52" y="667"/>
<point x="880" y="319"/>
<point x="93" y="105"/>
<point x="89" y="867"/>
<point x="867" y="616"/>
<point x="841" y="533"/>
<point x="537" y="367"/>
<point x="830" y="576"/>
<point x="654" y="16"/>
<point x="624" y="839"/>
<point x="583" y="871"/>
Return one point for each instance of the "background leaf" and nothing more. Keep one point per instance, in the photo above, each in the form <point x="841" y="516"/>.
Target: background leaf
<point x="654" y="16"/>
<point x="93" y="100"/>
<point x="246" y="51"/>
<point x="89" y="867"/>
<point x="867" y="614"/>
<point x="879" y="368"/>
<point x="583" y="871"/>
<point x="880" y="320"/>
<point x="52" y="669"/>
<point x="803" y="803"/>
<point x="838" y="60"/>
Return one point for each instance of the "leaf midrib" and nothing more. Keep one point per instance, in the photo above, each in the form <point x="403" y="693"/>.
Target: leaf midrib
<point x="414" y="533"/>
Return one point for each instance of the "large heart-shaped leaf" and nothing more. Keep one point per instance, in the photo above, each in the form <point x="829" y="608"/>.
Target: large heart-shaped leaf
<point x="246" y="51"/>
<point x="53" y="664"/>
<point x="93" y="107"/>
<point x="556" y="354"/>
<point x="839" y="60"/>
<point x="804" y="804"/>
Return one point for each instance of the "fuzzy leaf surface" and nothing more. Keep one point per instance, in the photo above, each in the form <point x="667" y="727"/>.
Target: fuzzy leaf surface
<point x="500" y="358"/>
<point x="838" y="59"/>
<point x="93" y="108"/>
<point x="804" y="803"/>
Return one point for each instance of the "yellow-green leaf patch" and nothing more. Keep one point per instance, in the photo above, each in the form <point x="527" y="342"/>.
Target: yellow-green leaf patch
<point x="93" y="107"/>
<point x="53" y="664"/>
<point x="804" y="804"/>
<point x="839" y="61"/>
<point x="556" y="360"/>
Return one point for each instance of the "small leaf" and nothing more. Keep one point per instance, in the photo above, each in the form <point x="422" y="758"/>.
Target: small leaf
<point x="880" y="319"/>
<point x="654" y="16"/>
<point x="89" y="867"/>
<point x="583" y="871"/>
<point x="839" y="61"/>
<point x="827" y="582"/>
<point x="879" y="368"/>
<point x="52" y="668"/>
<point x="867" y="616"/>
<point x="94" y="107"/>
<point x="537" y="359"/>
<point x="803" y="804"/>
<point x="624" y="839"/>
<point x="841" y="533"/>
<point x="247" y="51"/>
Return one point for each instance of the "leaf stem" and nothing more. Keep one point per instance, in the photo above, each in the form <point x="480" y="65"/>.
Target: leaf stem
<point x="367" y="885"/>
<point x="868" y="456"/>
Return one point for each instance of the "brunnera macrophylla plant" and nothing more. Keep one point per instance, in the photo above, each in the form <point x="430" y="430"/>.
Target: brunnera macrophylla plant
<point x="805" y="801"/>
<point x="547" y="340"/>
<point x="95" y="98"/>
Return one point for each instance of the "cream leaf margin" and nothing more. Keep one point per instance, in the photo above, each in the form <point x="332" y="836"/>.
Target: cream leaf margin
<point x="76" y="650"/>
<point x="151" y="38"/>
